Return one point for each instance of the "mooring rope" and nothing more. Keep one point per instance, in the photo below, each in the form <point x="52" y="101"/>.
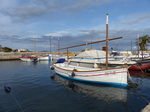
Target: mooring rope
<point x="14" y="98"/>
<point x="17" y="102"/>
<point x="133" y="84"/>
<point x="140" y="68"/>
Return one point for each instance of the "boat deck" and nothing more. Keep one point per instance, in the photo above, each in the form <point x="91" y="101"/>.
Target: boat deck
<point x="79" y="68"/>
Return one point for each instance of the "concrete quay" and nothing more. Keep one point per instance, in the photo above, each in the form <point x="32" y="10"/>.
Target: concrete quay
<point x="7" y="56"/>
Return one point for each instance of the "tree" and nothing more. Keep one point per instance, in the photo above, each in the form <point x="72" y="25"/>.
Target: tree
<point x="142" y="42"/>
<point x="7" y="49"/>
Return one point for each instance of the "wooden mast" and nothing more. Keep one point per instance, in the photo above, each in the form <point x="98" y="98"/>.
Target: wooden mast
<point x="107" y="41"/>
<point x="50" y="45"/>
<point x="58" y="46"/>
<point x="35" y="47"/>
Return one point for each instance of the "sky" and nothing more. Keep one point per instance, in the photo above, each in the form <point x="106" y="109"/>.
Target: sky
<point x="53" y="24"/>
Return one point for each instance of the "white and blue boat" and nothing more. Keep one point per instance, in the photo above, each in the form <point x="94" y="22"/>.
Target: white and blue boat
<point x="110" y="76"/>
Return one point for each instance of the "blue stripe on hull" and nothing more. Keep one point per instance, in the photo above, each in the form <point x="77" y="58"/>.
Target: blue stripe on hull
<point x="98" y="82"/>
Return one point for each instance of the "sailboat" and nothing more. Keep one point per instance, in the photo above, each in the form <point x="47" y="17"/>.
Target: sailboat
<point x="32" y="58"/>
<point x="116" y="76"/>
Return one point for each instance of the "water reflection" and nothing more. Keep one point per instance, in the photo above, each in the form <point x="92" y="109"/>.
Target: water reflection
<point x="100" y="92"/>
<point x="45" y="62"/>
<point x="141" y="74"/>
<point x="139" y="77"/>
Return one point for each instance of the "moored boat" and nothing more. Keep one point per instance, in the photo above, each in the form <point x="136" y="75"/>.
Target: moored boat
<point x="97" y="58"/>
<point x="110" y="76"/>
<point x="115" y="76"/>
<point x="29" y="58"/>
<point x="45" y="57"/>
<point x="140" y="65"/>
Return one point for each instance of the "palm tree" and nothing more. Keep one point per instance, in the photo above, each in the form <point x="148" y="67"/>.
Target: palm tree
<point x="142" y="42"/>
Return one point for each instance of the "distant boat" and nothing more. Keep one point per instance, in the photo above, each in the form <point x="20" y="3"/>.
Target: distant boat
<point x="110" y="76"/>
<point x="29" y="58"/>
<point x="129" y="55"/>
<point x="96" y="58"/>
<point x="56" y="57"/>
<point x="142" y="61"/>
<point x="47" y="57"/>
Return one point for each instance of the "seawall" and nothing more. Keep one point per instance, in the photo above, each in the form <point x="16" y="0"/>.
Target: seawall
<point x="7" y="56"/>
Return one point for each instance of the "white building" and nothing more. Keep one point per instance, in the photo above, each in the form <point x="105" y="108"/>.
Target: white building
<point x="23" y="50"/>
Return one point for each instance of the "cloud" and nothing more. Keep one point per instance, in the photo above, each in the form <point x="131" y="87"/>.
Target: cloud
<point x="48" y="9"/>
<point x="72" y="21"/>
<point x="67" y="39"/>
<point x="24" y="13"/>
<point x="136" y="18"/>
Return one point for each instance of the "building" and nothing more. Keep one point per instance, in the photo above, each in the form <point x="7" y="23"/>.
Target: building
<point x="23" y="50"/>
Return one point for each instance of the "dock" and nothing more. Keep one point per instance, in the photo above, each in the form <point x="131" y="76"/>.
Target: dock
<point x="146" y="109"/>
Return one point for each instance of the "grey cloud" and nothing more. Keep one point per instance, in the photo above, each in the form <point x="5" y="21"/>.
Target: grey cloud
<point x="20" y="14"/>
<point x="138" y="18"/>
<point x="43" y="42"/>
<point x="48" y="8"/>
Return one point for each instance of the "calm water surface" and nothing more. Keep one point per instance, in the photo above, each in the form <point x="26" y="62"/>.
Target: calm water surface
<point x="33" y="90"/>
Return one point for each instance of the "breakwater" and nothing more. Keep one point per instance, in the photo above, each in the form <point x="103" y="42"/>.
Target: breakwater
<point x="7" y="56"/>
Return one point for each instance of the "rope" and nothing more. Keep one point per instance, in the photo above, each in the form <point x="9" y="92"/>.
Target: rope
<point x="17" y="102"/>
<point x="133" y="84"/>
<point x="140" y="67"/>
<point x="14" y="99"/>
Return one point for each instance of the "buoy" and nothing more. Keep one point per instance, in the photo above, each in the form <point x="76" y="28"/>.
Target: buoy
<point x="52" y="68"/>
<point x="52" y="77"/>
<point x="73" y="74"/>
<point x="7" y="89"/>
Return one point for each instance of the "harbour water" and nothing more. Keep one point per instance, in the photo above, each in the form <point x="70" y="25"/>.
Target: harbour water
<point x="33" y="90"/>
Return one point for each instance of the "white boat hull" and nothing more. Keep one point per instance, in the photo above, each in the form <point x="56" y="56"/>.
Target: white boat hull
<point x="46" y="58"/>
<point x="117" y="76"/>
<point x="28" y="59"/>
<point x="25" y="59"/>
